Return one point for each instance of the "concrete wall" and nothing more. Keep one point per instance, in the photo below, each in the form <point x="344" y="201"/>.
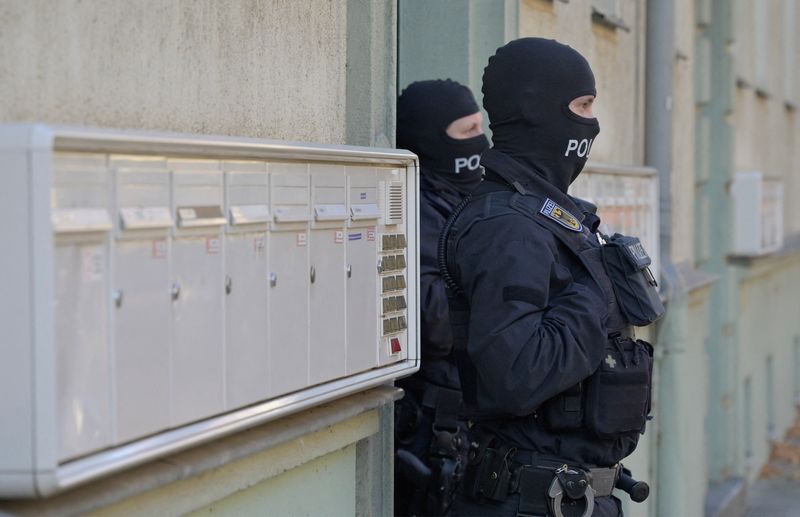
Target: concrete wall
<point x="269" y="69"/>
<point x="287" y="69"/>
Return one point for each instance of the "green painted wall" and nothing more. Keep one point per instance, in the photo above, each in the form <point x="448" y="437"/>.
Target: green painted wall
<point x="324" y="486"/>
<point x="452" y="39"/>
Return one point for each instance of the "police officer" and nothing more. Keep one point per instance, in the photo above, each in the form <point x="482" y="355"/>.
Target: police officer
<point x="440" y="121"/>
<point x="552" y="377"/>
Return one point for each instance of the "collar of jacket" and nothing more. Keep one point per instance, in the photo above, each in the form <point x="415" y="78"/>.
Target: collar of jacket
<point x="441" y="187"/>
<point x="525" y="180"/>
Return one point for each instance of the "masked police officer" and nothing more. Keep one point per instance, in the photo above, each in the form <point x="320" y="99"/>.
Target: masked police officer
<point x="440" y="121"/>
<point x="555" y="384"/>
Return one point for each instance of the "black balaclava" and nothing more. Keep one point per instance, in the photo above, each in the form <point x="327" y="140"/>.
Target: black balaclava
<point x="527" y="87"/>
<point x="424" y="111"/>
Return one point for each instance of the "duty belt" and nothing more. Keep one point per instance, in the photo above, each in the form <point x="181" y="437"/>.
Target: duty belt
<point x="545" y="488"/>
<point x="545" y="485"/>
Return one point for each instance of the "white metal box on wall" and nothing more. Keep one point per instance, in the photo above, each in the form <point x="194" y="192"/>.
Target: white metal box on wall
<point x="757" y="214"/>
<point x="161" y="290"/>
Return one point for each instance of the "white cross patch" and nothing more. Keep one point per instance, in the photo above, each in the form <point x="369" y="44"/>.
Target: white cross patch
<point x="610" y="361"/>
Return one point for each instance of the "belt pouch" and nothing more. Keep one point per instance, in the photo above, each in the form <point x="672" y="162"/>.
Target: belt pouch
<point x="627" y="264"/>
<point x="564" y="411"/>
<point x="533" y="486"/>
<point x="618" y="393"/>
<point x="488" y="475"/>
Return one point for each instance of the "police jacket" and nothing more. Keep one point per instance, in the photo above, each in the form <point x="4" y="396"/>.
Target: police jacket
<point x="437" y="199"/>
<point x="538" y="309"/>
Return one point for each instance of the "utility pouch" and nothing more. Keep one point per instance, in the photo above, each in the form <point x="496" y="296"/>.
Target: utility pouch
<point x="618" y="393"/>
<point x="564" y="411"/>
<point x="627" y="264"/>
<point x="488" y="473"/>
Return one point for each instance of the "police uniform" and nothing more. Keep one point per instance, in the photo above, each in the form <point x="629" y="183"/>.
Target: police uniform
<point x="556" y="384"/>
<point x="541" y="319"/>
<point x="430" y="438"/>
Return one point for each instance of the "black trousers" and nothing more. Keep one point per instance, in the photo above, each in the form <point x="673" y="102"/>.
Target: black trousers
<point x="463" y="507"/>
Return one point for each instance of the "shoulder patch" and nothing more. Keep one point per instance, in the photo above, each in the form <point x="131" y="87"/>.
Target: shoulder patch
<point x="553" y="211"/>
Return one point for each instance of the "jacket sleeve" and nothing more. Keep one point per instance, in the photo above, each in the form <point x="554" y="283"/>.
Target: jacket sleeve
<point x="437" y="338"/>
<point x="533" y="330"/>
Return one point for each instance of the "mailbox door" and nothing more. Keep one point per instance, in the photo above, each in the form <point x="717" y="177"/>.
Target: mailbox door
<point x="247" y="359"/>
<point x="362" y="259"/>
<point x="142" y="337"/>
<point x="81" y="306"/>
<point x="289" y="278"/>
<point x="247" y="284"/>
<point x="198" y="280"/>
<point x="327" y="292"/>
<point x="197" y="326"/>
<point x="141" y="297"/>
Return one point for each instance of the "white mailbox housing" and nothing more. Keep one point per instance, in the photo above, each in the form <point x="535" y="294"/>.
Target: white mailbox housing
<point x="161" y="290"/>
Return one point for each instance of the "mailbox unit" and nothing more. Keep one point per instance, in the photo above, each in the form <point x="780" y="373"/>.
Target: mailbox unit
<point x="161" y="290"/>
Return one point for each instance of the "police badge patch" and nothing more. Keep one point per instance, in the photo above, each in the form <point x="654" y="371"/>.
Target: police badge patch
<point x="552" y="211"/>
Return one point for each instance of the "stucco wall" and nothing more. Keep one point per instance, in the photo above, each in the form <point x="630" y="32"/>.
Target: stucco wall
<point x="766" y="125"/>
<point x="260" y="68"/>
<point x="767" y="65"/>
<point x="616" y="60"/>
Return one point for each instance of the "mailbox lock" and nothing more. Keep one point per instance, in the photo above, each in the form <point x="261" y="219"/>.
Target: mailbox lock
<point x="380" y="262"/>
<point x="117" y="297"/>
<point x="273" y="279"/>
<point x="228" y="284"/>
<point x="349" y="270"/>
<point x="175" y="291"/>
<point x="313" y="274"/>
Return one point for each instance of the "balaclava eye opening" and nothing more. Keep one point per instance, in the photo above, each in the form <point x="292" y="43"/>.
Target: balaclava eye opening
<point x="527" y="87"/>
<point x="424" y="111"/>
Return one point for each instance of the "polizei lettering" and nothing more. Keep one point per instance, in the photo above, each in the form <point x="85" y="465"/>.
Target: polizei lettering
<point x="471" y="162"/>
<point x="581" y="147"/>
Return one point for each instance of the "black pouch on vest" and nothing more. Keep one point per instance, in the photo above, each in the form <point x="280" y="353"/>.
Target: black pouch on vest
<point x="618" y="393"/>
<point x="627" y="264"/>
<point x="564" y="411"/>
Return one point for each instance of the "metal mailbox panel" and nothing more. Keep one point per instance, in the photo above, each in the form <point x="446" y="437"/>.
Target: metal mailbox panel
<point x="328" y="349"/>
<point x="247" y="284"/>
<point x="81" y="223"/>
<point x="141" y="297"/>
<point x="198" y="290"/>
<point x="289" y="278"/>
<point x="131" y="316"/>
<point x="362" y="259"/>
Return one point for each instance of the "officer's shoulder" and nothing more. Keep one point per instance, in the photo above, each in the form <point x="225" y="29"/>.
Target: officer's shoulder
<point x="503" y="203"/>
